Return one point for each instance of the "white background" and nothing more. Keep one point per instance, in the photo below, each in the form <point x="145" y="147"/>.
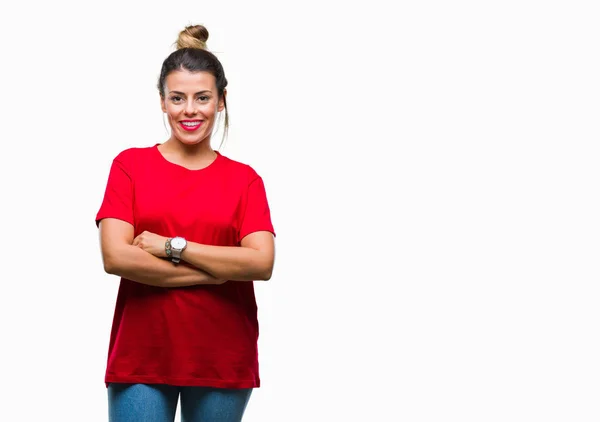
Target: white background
<point x="432" y="173"/>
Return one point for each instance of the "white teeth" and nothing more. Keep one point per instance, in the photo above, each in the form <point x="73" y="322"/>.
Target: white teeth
<point x="191" y="124"/>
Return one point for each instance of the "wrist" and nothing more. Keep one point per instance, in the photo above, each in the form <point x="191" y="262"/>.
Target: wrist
<point x="174" y="247"/>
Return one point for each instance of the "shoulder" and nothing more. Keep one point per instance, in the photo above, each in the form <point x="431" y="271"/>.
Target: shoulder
<point x="239" y="169"/>
<point x="131" y="154"/>
<point x="128" y="160"/>
<point x="131" y="158"/>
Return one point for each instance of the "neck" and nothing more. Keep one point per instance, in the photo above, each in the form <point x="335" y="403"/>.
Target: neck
<point x="197" y="151"/>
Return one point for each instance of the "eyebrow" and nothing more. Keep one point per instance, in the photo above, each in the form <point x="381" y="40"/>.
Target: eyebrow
<point x="206" y="91"/>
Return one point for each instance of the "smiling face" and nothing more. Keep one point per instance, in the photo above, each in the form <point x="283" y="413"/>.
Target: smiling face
<point x="191" y="102"/>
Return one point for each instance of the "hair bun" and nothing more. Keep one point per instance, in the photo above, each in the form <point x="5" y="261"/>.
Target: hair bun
<point x="193" y="36"/>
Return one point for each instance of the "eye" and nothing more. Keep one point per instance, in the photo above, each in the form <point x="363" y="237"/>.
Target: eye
<point x="176" y="98"/>
<point x="203" y="98"/>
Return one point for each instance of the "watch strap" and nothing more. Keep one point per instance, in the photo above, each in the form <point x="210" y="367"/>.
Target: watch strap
<point x="176" y="255"/>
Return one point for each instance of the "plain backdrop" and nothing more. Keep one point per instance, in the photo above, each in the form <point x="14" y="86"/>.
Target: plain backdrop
<point x="432" y="169"/>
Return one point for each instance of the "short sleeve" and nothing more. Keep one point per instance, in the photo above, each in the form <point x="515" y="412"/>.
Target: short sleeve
<point x="118" y="196"/>
<point x="256" y="215"/>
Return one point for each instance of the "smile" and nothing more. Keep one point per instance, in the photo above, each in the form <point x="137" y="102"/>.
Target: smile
<point x="190" y="125"/>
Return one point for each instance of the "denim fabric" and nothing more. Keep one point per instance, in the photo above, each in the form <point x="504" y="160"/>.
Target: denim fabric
<point x="158" y="403"/>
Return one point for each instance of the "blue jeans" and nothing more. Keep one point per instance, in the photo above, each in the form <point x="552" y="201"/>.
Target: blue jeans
<point x="158" y="403"/>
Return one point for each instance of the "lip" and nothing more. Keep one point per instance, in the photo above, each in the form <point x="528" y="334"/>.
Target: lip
<point x="191" y="128"/>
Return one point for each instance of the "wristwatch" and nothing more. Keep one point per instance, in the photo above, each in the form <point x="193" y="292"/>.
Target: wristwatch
<point x="174" y="246"/>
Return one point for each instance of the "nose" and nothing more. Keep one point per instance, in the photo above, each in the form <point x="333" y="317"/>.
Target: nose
<point x="190" y="109"/>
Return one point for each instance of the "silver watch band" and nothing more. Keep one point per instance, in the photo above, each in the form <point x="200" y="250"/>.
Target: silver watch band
<point x="177" y="246"/>
<point x="175" y="255"/>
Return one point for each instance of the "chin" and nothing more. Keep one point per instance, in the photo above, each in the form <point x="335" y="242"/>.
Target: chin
<point x="191" y="141"/>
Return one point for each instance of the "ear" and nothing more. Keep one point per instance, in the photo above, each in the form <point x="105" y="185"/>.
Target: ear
<point x="222" y="101"/>
<point x="162" y="104"/>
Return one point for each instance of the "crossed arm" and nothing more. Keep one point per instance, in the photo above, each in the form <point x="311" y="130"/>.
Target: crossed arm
<point x="140" y="258"/>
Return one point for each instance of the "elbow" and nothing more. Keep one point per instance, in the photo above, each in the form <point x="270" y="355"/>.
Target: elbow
<point x="108" y="268"/>
<point x="268" y="269"/>
<point x="262" y="277"/>
<point x="266" y="273"/>
<point x="109" y="265"/>
<point x="256" y="274"/>
<point x="115" y="261"/>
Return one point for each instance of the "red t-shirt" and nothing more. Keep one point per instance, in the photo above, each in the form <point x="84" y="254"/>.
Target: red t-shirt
<point x="203" y="335"/>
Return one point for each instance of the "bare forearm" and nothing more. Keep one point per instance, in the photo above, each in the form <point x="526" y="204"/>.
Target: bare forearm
<point x="229" y="262"/>
<point x="138" y="265"/>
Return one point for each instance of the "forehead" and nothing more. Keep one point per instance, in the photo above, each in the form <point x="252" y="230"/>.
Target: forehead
<point x="185" y="81"/>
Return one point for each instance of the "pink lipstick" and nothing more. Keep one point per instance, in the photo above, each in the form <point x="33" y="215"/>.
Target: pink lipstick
<point x="190" y="125"/>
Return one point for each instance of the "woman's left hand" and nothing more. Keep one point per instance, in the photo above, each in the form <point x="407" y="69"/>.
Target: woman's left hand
<point x="151" y="243"/>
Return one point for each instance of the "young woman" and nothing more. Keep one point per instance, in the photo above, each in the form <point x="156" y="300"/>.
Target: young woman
<point x="187" y="230"/>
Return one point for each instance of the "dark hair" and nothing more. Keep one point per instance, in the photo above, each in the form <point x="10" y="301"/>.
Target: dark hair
<point x="191" y="55"/>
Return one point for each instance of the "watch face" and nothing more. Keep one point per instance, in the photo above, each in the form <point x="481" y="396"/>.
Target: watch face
<point x="178" y="243"/>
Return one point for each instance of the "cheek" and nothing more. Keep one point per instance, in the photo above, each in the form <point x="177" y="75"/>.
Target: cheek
<point x="209" y="110"/>
<point x="173" y="113"/>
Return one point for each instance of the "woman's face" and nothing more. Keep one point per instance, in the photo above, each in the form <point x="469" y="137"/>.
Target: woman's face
<point x="191" y="103"/>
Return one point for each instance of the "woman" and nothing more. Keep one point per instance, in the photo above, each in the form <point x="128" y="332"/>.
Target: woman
<point x="187" y="230"/>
